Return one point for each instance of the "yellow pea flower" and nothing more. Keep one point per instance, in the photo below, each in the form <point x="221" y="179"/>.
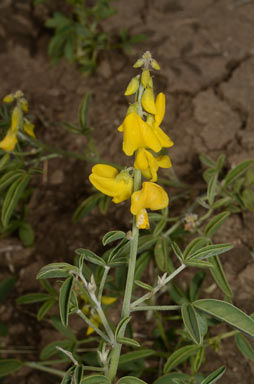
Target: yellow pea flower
<point x="149" y="165"/>
<point x="155" y="121"/>
<point x="10" y="140"/>
<point x="138" y="134"/>
<point x="147" y="101"/>
<point x="151" y="196"/>
<point x="112" y="183"/>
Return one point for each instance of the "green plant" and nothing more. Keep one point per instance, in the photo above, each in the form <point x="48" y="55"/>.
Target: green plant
<point x="79" y="36"/>
<point x="167" y="245"/>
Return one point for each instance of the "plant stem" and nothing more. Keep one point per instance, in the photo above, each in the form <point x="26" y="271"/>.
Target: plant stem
<point x="97" y="330"/>
<point x="115" y="355"/>
<point x="40" y="367"/>
<point x="105" y="322"/>
<point x="158" y="287"/>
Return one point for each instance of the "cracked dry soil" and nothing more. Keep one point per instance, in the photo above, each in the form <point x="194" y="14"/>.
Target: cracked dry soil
<point x="205" y="49"/>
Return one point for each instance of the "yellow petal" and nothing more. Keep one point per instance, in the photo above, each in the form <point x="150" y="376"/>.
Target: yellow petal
<point x="164" y="140"/>
<point x="141" y="161"/>
<point x="29" y="128"/>
<point x="85" y="309"/>
<point x="109" y="187"/>
<point x="147" y="101"/>
<point x="145" y="77"/>
<point x="155" y="65"/>
<point x="89" y="331"/>
<point x="138" y="63"/>
<point x="149" y="139"/>
<point x="105" y="170"/>
<point x="147" y="164"/>
<point x="105" y="300"/>
<point x="142" y="221"/>
<point x="137" y="202"/>
<point x="164" y="162"/>
<point x="132" y="134"/>
<point x="15" y="119"/>
<point x="9" y="142"/>
<point x="132" y="86"/>
<point x="155" y="196"/>
<point x="160" y="104"/>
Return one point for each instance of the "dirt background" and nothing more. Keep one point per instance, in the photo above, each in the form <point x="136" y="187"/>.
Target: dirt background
<point x="205" y="49"/>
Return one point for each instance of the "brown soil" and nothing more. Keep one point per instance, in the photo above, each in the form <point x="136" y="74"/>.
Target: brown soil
<point x="205" y="49"/>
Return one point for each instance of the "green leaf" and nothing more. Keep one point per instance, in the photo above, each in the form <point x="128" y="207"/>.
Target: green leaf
<point x="191" y="323"/>
<point x="136" y="355"/>
<point x="210" y="250"/>
<point x="67" y="379"/>
<point x="6" y="287"/>
<point x="95" y="379"/>
<point x="196" y="284"/>
<point x="244" y="346"/>
<point x="51" y="350"/>
<point x="9" y="178"/>
<point x="128" y="341"/>
<point x="64" y="299"/>
<point x="198" y="263"/>
<point x="90" y="256"/>
<point x="167" y="379"/>
<point x="228" y="313"/>
<point x="211" y="188"/>
<point x="177" y="251"/>
<point x="143" y="285"/>
<point x="214" y="376"/>
<point x="86" y="206"/>
<point x="219" y="276"/>
<point x="160" y="226"/>
<point x="78" y="374"/>
<point x="130" y="380"/>
<point x="8" y="366"/>
<point x="161" y="253"/>
<point x="248" y="198"/>
<point x="12" y="197"/>
<point x="225" y="201"/>
<point x="179" y="356"/>
<point x="66" y="331"/>
<point x="216" y="223"/>
<point x="83" y="112"/>
<point x="206" y="160"/>
<point x="54" y="270"/>
<point x="236" y="172"/>
<point x="113" y="236"/>
<point x="141" y="264"/>
<point x="33" y="298"/>
<point x="26" y="234"/>
<point x="45" y="308"/>
<point x="193" y="246"/>
<point x="122" y="325"/>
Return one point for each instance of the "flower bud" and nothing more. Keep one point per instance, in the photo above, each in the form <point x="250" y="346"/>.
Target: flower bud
<point x="138" y="63"/>
<point x="145" y="77"/>
<point x="9" y="98"/>
<point x="147" y="101"/>
<point x="132" y="86"/>
<point x="155" y="65"/>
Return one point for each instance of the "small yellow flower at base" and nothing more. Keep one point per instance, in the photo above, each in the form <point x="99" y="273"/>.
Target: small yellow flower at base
<point x="29" y="128"/>
<point x="149" y="165"/>
<point x="95" y="319"/>
<point x="137" y="134"/>
<point x="112" y="183"/>
<point x="9" y="142"/>
<point x="151" y="196"/>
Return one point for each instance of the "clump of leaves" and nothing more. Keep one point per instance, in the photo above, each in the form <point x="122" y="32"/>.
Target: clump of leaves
<point x="79" y="36"/>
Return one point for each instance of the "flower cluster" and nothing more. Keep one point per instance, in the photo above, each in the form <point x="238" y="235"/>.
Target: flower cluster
<point x="143" y="137"/>
<point x="18" y="122"/>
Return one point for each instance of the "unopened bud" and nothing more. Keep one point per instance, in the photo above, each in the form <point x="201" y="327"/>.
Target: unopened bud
<point x="132" y="86"/>
<point x="147" y="101"/>
<point x="155" y="65"/>
<point x="145" y="77"/>
<point x="138" y="63"/>
<point x="9" y="98"/>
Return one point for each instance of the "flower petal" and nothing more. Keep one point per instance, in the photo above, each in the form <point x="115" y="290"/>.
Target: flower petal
<point x="160" y="104"/>
<point x="104" y="170"/>
<point x="164" y="140"/>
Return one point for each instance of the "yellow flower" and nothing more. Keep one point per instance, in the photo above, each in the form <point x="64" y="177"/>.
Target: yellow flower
<point x="95" y="319"/>
<point x="138" y="134"/>
<point x="155" y="121"/>
<point x="151" y="196"/>
<point x="145" y="77"/>
<point x="9" y="98"/>
<point x="112" y="183"/>
<point x="10" y="140"/>
<point x="149" y="165"/>
<point x="106" y="300"/>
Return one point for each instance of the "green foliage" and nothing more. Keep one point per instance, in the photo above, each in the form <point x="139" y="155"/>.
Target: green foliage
<point x="79" y="36"/>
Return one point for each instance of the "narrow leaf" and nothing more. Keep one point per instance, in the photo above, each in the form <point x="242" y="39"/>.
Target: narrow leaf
<point x="33" y="298"/>
<point x="177" y="251"/>
<point x="228" y="313"/>
<point x="168" y="379"/>
<point x="8" y="366"/>
<point x="219" y="276"/>
<point x="51" y="349"/>
<point x="136" y="355"/>
<point x="190" y="320"/>
<point x="211" y="188"/>
<point x="244" y="346"/>
<point x="95" y="379"/>
<point x="236" y="172"/>
<point x="128" y="341"/>
<point x="130" y="380"/>
<point x="90" y="256"/>
<point x="122" y="325"/>
<point x="64" y="299"/>
<point x="45" y="308"/>
<point x="214" y="376"/>
<point x="210" y="250"/>
<point x="198" y="263"/>
<point x="179" y="356"/>
<point x="193" y="246"/>
<point x="143" y="285"/>
<point x="113" y="236"/>
<point x="216" y="223"/>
